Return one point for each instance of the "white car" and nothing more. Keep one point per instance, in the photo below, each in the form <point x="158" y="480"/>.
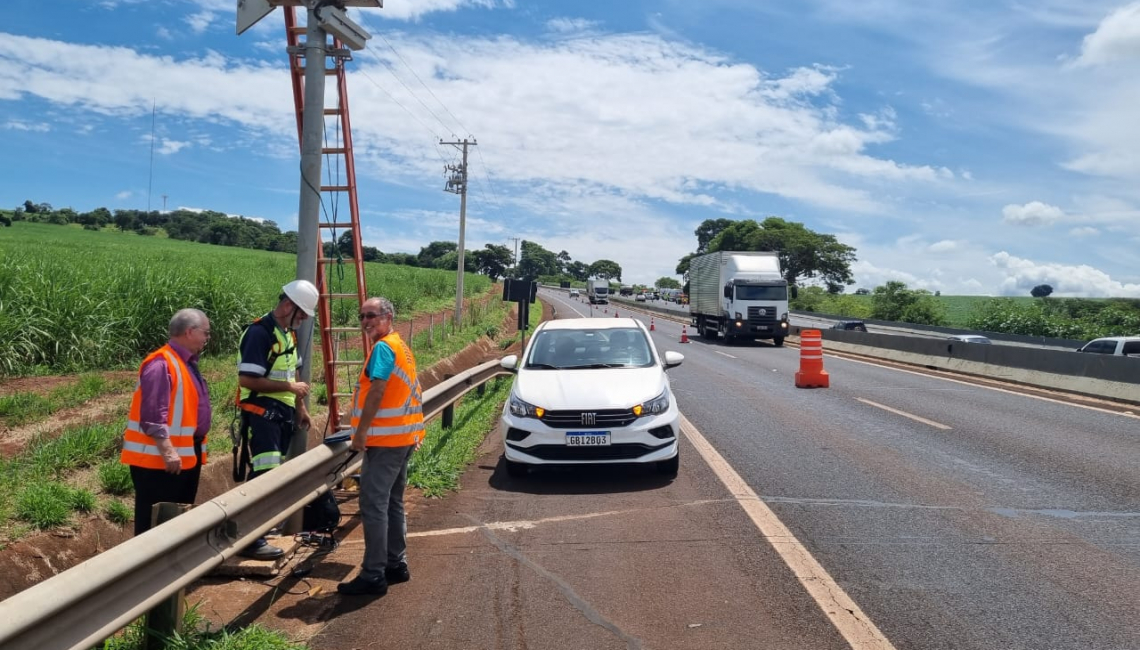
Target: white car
<point x="591" y="391"/>
<point x="971" y="338"/>
<point x="1121" y="346"/>
<point x="574" y="293"/>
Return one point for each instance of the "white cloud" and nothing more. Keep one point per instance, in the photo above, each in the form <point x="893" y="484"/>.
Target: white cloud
<point x="125" y="194"/>
<point x="1084" y="231"/>
<point x="570" y="25"/>
<point x="21" y="125"/>
<point x="944" y="246"/>
<point x="413" y="9"/>
<point x="200" y="21"/>
<point x="1116" y="39"/>
<point x="170" y="147"/>
<point x="1034" y="213"/>
<point x="1066" y="280"/>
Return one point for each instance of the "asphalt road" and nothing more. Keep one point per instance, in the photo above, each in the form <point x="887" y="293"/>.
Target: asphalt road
<point x="996" y="520"/>
<point x="893" y="509"/>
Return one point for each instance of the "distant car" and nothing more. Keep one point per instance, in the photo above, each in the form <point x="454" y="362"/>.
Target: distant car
<point x="639" y="297"/>
<point x="1120" y="346"/>
<point x="971" y="338"/>
<point x="851" y="325"/>
<point x="591" y="391"/>
<point x="574" y="293"/>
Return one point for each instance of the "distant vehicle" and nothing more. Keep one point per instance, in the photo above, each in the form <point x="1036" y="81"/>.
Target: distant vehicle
<point x="1120" y="346"/>
<point x="639" y="297"/>
<point x="598" y="291"/>
<point x="574" y="293"/>
<point x="852" y="325"/>
<point x="591" y="391"/>
<point x="738" y="295"/>
<point x="971" y="338"/>
<point x="625" y="290"/>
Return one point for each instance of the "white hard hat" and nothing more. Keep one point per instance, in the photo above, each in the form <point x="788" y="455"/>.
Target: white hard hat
<point x="303" y="294"/>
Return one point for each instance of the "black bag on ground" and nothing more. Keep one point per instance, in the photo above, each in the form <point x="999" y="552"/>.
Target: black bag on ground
<point x="322" y="515"/>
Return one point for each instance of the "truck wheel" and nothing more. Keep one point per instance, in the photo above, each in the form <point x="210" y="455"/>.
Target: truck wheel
<point x="778" y="341"/>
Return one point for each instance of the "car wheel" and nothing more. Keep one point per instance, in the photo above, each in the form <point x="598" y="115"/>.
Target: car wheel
<point x="514" y="470"/>
<point x="669" y="467"/>
<point x="778" y="341"/>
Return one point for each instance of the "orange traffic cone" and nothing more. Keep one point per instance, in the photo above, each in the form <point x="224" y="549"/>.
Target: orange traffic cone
<point x="607" y="310"/>
<point x="811" y="373"/>
<point x="652" y="327"/>
<point x="615" y="313"/>
<point x="684" y="334"/>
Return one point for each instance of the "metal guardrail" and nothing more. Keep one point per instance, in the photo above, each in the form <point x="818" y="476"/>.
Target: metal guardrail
<point x="91" y="601"/>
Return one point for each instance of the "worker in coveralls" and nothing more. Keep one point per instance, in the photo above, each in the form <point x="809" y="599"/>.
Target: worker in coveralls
<point x="388" y="425"/>
<point x="270" y="399"/>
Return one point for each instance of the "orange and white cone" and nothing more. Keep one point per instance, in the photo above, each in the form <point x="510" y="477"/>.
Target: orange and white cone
<point x="615" y="313"/>
<point x="811" y="373"/>
<point x="684" y="334"/>
<point x="652" y="327"/>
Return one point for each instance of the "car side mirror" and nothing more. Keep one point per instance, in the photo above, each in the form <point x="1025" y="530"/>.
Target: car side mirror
<point x="673" y="359"/>
<point x="510" y="362"/>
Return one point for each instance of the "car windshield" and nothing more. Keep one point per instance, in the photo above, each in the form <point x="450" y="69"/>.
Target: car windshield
<point x="610" y="348"/>
<point x="761" y="292"/>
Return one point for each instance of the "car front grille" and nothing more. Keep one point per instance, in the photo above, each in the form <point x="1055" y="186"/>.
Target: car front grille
<point x="605" y="419"/>
<point x="769" y="319"/>
<point x="556" y="453"/>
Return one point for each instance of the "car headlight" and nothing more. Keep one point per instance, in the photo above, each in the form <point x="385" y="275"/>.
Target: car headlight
<point x="523" y="409"/>
<point x="655" y="406"/>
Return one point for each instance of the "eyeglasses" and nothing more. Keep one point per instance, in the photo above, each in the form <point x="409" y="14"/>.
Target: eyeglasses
<point x="369" y="314"/>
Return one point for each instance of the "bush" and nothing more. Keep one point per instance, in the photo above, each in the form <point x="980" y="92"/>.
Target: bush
<point x="115" y="478"/>
<point x="5" y="220"/>
<point x="44" y="505"/>
<point x="118" y="512"/>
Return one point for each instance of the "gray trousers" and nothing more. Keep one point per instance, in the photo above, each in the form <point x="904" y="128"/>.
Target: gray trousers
<point x="382" y="479"/>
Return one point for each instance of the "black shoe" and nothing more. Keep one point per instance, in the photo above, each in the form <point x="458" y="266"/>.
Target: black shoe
<point x="396" y="575"/>
<point x="360" y="586"/>
<point x="263" y="551"/>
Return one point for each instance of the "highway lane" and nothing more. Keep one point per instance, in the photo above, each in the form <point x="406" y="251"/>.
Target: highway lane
<point x="956" y="516"/>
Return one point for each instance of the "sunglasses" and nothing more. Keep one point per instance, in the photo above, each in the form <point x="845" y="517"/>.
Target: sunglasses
<point x="369" y="314"/>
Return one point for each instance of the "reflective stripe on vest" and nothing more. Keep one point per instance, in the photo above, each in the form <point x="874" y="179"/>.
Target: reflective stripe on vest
<point x="138" y="448"/>
<point x="399" y="421"/>
<point x="284" y="366"/>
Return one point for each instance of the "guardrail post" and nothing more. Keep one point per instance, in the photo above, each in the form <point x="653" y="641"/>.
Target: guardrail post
<point x="448" y="414"/>
<point x="165" y="619"/>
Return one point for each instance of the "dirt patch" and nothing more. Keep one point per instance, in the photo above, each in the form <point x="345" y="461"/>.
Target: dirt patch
<point x="28" y="561"/>
<point x="98" y="410"/>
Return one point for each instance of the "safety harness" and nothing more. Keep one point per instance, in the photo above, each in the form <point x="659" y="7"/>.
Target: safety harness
<point x="243" y="463"/>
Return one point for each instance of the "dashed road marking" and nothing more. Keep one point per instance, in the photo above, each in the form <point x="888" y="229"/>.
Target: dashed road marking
<point x="912" y="416"/>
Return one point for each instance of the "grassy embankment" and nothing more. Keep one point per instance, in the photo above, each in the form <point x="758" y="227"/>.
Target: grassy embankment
<point x="80" y="301"/>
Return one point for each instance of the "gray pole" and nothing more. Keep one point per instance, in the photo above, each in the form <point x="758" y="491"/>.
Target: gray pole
<point x="308" y="212"/>
<point x="462" y="230"/>
<point x="459" y="182"/>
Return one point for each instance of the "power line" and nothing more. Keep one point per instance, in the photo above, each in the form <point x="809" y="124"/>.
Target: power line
<point x="410" y="91"/>
<point x="410" y="69"/>
<point x="405" y="109"/>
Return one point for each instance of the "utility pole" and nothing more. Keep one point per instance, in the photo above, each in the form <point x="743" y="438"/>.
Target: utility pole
<point x="516" y="258"/>
<point x="164" y="203"/>
<point x="457" y="183"/>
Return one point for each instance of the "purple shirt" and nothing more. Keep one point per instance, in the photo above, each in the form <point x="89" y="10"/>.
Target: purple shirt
<point x="155" y="383"/>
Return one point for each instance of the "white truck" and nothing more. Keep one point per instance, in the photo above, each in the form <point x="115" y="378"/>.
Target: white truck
<point x="738" y="295"/>
<point x="598" y="291"/>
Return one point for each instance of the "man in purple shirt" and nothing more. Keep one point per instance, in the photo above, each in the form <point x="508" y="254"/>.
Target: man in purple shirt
<point x="189" y="332"/>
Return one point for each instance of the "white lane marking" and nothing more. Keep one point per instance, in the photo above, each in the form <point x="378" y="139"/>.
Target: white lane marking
<point x="514" y="525"/>
<point x="912" y="416"/>
<point x="840" y="609"/>
<point x="1128" y="414"/>
<point x="724" y="354"/>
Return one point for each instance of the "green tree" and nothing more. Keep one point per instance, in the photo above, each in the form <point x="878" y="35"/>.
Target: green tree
<point x="683" y="266"/>
<point x="665" y="282"/>
<point x="578" y="270"/>
<point x="433" y="251"/>
<point x="804" y="253"/>
<point x="1041" y="291"/>
<point x="895" y="302"/>
<point x="535" y="261"/>
<point x="606" y="270"/>
<point x="493" y="260"/>
<point x="708" y="231"/>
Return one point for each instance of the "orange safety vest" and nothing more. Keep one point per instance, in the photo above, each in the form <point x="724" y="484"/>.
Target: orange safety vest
<point x="399" y="421"/>
<point x="181" y="418"/>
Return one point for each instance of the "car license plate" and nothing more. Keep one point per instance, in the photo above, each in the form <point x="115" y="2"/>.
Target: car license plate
<point x="588" y="439"/>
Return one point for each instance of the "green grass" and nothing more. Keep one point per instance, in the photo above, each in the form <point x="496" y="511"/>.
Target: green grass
<point x="74" y="300"/>
<point x="118" y="512"/>
<point x="24" y="407"/>
<point x="197" y="634"/>
<point x="115" y="477"/>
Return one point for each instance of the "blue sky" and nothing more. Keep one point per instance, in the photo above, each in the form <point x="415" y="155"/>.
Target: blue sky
<point x="964" y="147"/>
